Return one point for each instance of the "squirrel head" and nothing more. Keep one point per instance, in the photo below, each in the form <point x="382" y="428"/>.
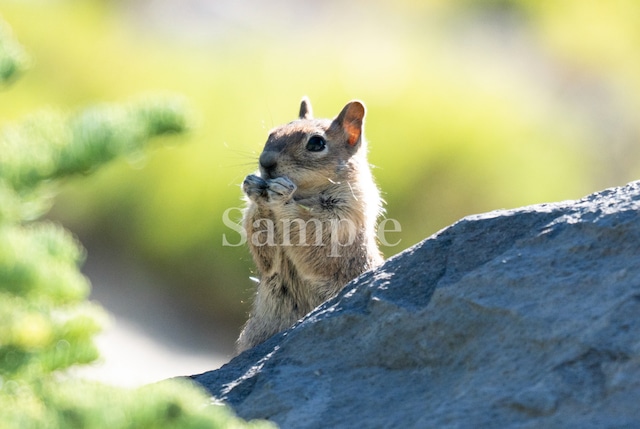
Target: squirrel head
<point x="316" y="153"/>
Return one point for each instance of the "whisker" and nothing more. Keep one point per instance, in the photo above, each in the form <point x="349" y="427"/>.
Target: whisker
<point x="245" y="154"/>
<point x="237" y="180"/>
<point x="268" y="107"/>
<point x="244" y="164"/>
<point x="352" y="193"/>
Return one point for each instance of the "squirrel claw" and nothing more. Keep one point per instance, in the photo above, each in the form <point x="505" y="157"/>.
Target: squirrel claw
<point x="254" y="186"/>
<point x="281" y="188"/>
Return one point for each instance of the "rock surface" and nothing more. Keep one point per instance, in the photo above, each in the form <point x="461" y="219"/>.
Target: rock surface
<point x="525" y="318"/>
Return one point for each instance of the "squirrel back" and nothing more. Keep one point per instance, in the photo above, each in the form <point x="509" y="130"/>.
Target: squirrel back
<point x="310" y="219"/>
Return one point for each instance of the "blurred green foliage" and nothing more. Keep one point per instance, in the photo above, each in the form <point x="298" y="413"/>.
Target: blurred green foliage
<point x="472" y="106"/>
<point x="47" y="324"/>
<point x="13" y="59"/>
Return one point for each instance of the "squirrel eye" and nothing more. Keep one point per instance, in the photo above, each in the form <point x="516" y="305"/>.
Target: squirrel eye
<point x="316" y="144"/>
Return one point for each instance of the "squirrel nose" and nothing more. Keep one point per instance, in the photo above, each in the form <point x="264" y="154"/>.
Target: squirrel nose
<point x="268" y="159"/>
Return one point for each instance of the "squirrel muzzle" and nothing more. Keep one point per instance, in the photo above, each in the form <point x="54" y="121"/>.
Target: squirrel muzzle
<point x="268" y="163"/>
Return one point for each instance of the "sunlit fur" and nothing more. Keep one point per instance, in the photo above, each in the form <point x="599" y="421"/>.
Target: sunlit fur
<point x="331" y="185"/>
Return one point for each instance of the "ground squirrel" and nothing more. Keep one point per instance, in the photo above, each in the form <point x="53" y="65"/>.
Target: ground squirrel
<point x="310" y="218"/>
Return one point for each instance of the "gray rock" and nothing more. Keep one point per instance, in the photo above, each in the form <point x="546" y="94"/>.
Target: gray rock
<point x="526" y="318"/>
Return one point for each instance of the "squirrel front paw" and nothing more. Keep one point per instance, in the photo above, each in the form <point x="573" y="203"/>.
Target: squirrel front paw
<point x="255" y="186"/>
<point x="280" y="189"/>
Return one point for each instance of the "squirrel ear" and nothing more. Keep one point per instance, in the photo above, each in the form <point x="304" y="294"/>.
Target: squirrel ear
<point x="305" y="108"/>
<point x="351" y="120"/>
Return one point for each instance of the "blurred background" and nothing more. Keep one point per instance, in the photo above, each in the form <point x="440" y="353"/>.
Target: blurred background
<point x="472" y="106"/>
